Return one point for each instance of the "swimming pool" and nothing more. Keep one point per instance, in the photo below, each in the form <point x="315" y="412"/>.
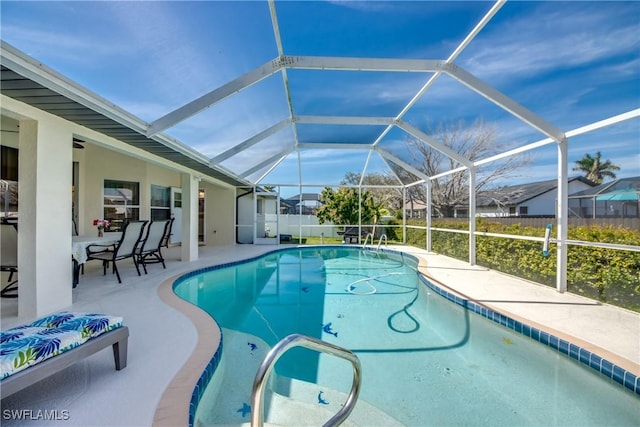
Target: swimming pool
<point x="426" y="360"/>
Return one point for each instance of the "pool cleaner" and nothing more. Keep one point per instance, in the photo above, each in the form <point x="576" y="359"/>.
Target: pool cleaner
<point x="547" y="238"/>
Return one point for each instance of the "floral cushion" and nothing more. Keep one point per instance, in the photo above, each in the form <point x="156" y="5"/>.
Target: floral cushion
<point x="90" y="324"/>
<point x="24" y="346"/>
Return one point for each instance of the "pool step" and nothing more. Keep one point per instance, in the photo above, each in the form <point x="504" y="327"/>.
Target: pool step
<point x="288" y="402"/>
<point x="285" y="411"/>
<point x="308" y="394"/>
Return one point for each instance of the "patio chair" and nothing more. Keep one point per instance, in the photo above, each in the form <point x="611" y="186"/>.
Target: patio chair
<point x="149" y="251"/>
<point x="9" y="258"/>
<point x="125" y="248"/>
<point x="167" y="234"/>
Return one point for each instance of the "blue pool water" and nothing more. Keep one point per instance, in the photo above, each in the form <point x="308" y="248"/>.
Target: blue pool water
<point x="425" y="360"/>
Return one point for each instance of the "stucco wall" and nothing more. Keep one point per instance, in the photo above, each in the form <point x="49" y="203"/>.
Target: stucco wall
<point x="545" y="204"/>
<point x="220" y="217"/>
<point x="45" y="158"/>
<point x="98" y="164"/>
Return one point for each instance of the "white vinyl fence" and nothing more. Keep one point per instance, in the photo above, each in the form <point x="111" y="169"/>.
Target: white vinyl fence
<point x="290" y="224"/>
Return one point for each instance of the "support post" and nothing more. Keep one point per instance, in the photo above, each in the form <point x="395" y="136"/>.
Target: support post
<point x="472" y="215"/>
<point x="300" y="206"/>
<point x="404" y="215"/>
<point x="360" y="212"/>
<point x="562" y="216"/>
<point x="189" y="249"/>
<point x="44" y="231"/>
<point x="428" y="213"/>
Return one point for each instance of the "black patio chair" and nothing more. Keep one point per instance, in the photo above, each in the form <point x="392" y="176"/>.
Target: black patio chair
<point x="167" y="234"/>
<point x="125" y="248"/>
<point x="148" y="252"/>
<point x="9" y="257"/>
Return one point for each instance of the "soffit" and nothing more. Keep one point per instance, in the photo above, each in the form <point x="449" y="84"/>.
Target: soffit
<point x="26" y="90"/>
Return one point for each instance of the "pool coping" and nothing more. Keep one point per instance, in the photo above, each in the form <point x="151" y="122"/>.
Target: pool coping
<point x="180" y="398"/>
<point x="623" y="371"/>
<point x="175" y="407"/>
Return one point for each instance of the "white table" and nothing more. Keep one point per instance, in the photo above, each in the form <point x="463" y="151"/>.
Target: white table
<point x="79" y="245"/>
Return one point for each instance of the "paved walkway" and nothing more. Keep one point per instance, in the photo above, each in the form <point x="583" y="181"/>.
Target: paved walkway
<point x="599" y="326"/>
<point x="162" y="338"/>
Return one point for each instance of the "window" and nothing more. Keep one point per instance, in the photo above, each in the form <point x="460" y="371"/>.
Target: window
<point x="121" y="203"/>
<point x="9" y="168"/>
<point x="9" y="181"/>
<point x="512" y="210"/>
<point x="160" y="203"/>
<point x="524" y="210"/>
<point x="177" y="199"/>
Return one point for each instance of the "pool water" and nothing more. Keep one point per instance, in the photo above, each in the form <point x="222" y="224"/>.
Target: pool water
<point x="425" y="360"/>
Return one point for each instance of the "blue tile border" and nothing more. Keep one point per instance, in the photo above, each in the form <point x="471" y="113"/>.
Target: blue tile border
<point x="584" y="356"/>
<point x="581" y="355"/>
<point x="202" y="383"/>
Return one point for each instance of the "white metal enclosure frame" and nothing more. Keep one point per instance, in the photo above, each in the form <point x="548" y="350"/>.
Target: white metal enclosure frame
<point x="283" y="63"/>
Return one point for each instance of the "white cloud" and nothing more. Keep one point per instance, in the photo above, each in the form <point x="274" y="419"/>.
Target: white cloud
<point x="364" y="5"/>
<point x="552" y="38"/>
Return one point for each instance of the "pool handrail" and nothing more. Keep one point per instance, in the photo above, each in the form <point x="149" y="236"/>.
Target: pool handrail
<point x="299" y="340"/>
<point x="366" y="239"/>
<point x="386" y="242"/>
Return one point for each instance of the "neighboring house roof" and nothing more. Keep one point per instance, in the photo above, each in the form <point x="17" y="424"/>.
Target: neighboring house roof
<point x="288" y="203"/>
<point x="622" y="184"/>
<point x="518" y="194"/>
<point x="415" y="205"/>
<point x="305" y="196"/>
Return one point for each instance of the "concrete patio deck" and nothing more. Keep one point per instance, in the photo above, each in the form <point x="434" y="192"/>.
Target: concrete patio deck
<point x="92" y="393"/>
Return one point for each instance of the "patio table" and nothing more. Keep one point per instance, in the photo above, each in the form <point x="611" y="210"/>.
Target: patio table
<point x="79" y="245"/>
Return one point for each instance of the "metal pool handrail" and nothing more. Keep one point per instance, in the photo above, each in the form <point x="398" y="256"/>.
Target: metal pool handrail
<point x="386" y="242"/>
<point x="366" y="239"/>
<point x="298" y="340"/>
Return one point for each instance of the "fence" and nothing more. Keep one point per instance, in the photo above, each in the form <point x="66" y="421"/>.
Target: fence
<point x="290" y="224"/>
<point x="628" y="223"/>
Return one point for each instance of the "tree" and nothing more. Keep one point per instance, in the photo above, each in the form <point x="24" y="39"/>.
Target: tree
<point x="389" y="198"/>
<point x="474" y="142"/>
<point x="341" y="206"/>
<point x="594" y="169"/>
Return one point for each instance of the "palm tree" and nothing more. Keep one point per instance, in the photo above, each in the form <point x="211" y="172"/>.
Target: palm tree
<point x="594" y="169"/>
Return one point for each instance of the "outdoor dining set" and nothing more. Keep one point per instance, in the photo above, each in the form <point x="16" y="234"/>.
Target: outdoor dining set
<point x="141" y="241"/>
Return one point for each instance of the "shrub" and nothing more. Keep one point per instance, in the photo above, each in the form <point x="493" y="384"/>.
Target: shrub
<point x="607" y="275"/>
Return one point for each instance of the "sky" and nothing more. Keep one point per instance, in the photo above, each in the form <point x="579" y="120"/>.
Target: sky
<point x="569" y="63"/>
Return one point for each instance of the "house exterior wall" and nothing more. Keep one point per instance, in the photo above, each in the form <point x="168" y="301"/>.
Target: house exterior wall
<point x="542" y="205"/>
<point x="46" y="160"/>
<point x="492" y="211"/>
<point x="98" y="164"/>
<point x="220" y="215"/>
<point x="545" y="204"/>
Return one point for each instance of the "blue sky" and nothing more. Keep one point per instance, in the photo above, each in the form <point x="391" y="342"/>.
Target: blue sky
<point x="570" y="63"/>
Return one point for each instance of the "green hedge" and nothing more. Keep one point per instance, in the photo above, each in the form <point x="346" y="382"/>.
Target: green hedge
<point x="607" y="275"/>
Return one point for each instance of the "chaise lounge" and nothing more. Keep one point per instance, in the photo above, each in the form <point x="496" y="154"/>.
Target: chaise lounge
<point x="32" y="352"/>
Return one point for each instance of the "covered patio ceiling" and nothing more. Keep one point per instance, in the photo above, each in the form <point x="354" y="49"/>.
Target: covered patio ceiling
<point x="298" y="96"/>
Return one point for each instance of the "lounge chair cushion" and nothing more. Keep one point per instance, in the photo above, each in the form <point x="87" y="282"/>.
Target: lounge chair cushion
<point x="90" y="324"/>
<point x="27" y="345"/>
